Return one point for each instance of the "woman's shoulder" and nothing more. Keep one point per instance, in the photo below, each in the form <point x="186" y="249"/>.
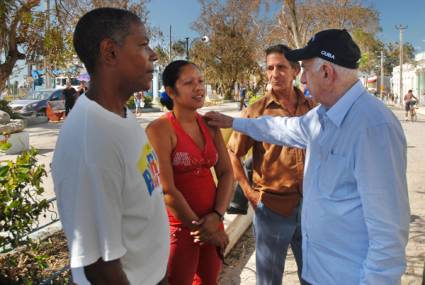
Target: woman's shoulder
<point x="159" y="125"/>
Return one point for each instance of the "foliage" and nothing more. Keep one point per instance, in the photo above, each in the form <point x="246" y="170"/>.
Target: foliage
<point x="178" y="50"/>
<point x="163" y="56"/>
<point x="20" y="33"/>
<point x="370" y="48"/>
<point x="5" y="144"/>
<point x="254" y="97"/>
<point x="130" y="103"/>
<point x="392" y="55"/>
<point x="148" y="101"/>
<point x="235" y="30"/>
<point x="299" y="20"/>
<point x="20" y="202"/>
<point x="31" y="32"/>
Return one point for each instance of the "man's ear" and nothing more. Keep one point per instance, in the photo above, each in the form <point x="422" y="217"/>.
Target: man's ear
<point x="107" y="52"/>
<point x="328" y="71"/>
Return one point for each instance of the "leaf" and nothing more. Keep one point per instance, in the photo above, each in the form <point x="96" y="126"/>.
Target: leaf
<point x="3" y="171"/>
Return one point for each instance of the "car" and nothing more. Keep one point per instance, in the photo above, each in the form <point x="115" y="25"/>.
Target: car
<point x="35" y="103"/>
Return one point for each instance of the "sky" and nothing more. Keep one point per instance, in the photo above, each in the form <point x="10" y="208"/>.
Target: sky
<point x="180" y="14"/>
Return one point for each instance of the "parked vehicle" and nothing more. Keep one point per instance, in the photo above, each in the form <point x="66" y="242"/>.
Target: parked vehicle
<point x="36" y="102"/>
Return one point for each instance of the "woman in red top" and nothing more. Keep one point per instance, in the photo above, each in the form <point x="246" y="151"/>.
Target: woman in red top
<point x="187" y="149"/>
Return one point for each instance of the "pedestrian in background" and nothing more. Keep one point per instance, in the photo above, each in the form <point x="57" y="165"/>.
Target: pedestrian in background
<point x="408" y="99"/>
<point x="187" y="149"/>
<point x="355" y="215"/>
<point x="70" y="95"/>
<point x="82" y="89"/>
<point x="242" y="97"/>
<point x="138" y="102"/>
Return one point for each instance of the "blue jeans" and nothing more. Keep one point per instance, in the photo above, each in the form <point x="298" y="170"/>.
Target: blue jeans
<point x="273" y="235"/>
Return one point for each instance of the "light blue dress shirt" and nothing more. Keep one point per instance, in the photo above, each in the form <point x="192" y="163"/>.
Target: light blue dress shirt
<point x="355" y="216"/>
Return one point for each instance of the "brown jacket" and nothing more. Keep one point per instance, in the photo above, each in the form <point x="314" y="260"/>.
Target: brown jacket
<point x="277" y="171"/>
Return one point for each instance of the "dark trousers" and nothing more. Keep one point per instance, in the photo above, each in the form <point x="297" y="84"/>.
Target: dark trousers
<point x="239" y="203"/>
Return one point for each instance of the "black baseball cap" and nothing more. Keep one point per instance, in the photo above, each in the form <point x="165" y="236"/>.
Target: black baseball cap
<point x="333" y="45"/>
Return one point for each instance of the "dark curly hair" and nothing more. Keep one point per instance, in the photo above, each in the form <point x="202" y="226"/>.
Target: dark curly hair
<point x="97" y="25"/>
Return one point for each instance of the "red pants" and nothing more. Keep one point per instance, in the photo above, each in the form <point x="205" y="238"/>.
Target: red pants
<point x="190" y="263"/>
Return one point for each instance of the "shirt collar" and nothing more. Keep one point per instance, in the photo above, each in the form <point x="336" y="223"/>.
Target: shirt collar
<point x="340" y="109"/>
<point x="271" y="98"/>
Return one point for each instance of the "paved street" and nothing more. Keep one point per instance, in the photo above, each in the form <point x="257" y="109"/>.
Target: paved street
<point x="241" y="269"/>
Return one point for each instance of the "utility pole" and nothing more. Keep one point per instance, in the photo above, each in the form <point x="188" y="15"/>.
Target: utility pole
<point x="169" y="51"/>
<point x="187" y="48"/>
<point x="382" y="75"/>
<point x="47" y="28"/>
<point x="401" y="29"/>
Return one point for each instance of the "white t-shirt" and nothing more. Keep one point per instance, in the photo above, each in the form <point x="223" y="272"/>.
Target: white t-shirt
<point x="106" y="179"/>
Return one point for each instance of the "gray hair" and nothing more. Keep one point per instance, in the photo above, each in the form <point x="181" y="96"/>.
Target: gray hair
<point x="340" y="70"/>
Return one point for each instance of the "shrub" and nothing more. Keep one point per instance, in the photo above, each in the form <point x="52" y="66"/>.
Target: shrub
<point x="148" y="101"/>
<point x="20" y="203"/>
<point x="130" y="103"/>
<point x="20" y="209"/>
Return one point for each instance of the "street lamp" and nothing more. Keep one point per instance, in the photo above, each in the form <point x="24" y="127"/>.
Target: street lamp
<point x="204" y="39"/>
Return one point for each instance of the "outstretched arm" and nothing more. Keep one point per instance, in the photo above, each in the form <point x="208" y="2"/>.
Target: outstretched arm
<point x="287" y="131"/>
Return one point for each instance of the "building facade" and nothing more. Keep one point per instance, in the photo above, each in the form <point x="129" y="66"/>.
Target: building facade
<point x="413" y="79"/>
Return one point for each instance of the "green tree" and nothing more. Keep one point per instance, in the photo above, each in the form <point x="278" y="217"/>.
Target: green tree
<point x="21" y="34"/>
<point x="392" y="55"/>
<point x="178" y="50"/>
<point x="234" y="29"/>
<point x="370" y="48"/>
<point x="30" y="32"/>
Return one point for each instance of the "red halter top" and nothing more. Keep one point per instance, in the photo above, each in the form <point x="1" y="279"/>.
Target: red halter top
<point x="191" y="169"/>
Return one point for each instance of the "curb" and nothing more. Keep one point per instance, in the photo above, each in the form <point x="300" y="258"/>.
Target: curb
<point x="235" y="226"/>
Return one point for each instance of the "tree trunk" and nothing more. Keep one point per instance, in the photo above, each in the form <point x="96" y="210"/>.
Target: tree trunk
<point x="5" y="70"/>
<point x="229" y="90"/>
<point x="291" y="6"/>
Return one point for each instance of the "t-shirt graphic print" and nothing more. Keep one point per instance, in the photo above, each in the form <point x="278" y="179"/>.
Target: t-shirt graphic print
<point x="148" y="167"/>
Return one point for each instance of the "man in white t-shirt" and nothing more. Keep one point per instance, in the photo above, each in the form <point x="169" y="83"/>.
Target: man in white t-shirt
<point x="105" y="172"/>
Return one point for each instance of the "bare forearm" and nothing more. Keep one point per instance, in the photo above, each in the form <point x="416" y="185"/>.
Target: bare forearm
<point x="180" y="209"/>
<point x="224" y="192"/>
<point x="106" y="272"/>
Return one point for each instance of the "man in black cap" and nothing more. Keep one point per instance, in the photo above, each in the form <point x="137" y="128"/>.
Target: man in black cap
<point x="355" y="216"/>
